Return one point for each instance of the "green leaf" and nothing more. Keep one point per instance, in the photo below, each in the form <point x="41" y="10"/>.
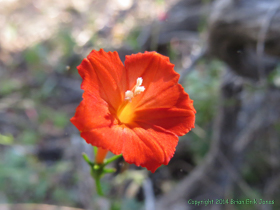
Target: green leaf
<point x="109" y="170"/>
<point x="86" y="158"/>
<point x="6" y="139"/>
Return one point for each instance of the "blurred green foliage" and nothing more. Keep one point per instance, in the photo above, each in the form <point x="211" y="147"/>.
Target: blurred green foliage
<point x="202" y="85"/>
<point x="132" y="40"/>
<point x="6" y="139"/>
<point x="274" y="77"/>
<point x="25" y="178"/>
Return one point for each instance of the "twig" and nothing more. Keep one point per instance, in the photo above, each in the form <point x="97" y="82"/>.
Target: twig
<point x="272" y="186"/>
<point x="194" y="61"/>
<point x="149" y="194"/>
<point x="236" y="177"/>
<point x="245" y="137"/>
<point x="261" y="38"/>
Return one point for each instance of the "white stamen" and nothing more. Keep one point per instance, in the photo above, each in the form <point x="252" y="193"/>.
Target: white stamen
<point x="139" y="90"/>
<point x="139" y="81"/>
<point x="129" y="95"/>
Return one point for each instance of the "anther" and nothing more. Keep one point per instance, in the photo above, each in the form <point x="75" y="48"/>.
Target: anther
<point x="139" y="81"/>
<point x="128" y="95"/>
<point x="137" y="89"/>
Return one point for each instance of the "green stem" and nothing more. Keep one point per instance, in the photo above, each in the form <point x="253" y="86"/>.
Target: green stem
<point x="98" y="170"/>
<point x="96" y="173"/>
<point x="98" y="187"/>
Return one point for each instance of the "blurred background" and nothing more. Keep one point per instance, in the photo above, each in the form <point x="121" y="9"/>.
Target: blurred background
<point x="228" y="55"/>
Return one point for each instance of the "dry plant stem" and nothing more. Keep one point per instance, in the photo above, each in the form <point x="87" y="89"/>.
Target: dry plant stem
<point x="195" y="60"/>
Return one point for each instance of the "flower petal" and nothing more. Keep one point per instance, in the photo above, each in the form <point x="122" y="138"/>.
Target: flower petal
<point x="154" y="147"/>
<point x="144" y="145"/>
<point x="110" y="138"/>
<point x="93" y="112"/>
<point x="158" y="77"/>
<point x="164" y="102"/>
<point x="104" y="76"/>
<point x="177" y="120"/>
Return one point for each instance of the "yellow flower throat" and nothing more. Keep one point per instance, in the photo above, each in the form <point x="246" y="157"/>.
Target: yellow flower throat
<point x="126" y="113"/>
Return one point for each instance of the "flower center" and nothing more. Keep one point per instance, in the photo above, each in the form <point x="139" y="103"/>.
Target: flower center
<point x="125" y="113"/>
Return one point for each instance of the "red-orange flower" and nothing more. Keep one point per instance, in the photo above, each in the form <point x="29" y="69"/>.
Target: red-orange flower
<point x="137" y="109"/>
